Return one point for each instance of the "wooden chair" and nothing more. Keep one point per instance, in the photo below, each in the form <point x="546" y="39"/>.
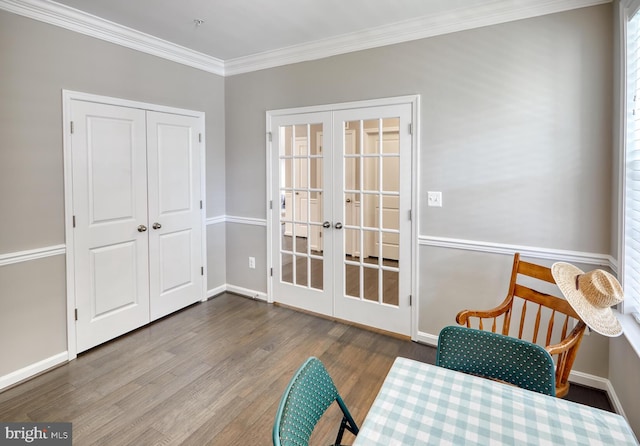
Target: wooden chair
<point x="521" y="301"/>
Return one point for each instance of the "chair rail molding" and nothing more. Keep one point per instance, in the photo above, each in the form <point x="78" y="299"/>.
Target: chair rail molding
<point x="216" y="220"/>
<point x="246" y="220"/>
<point x="526" y="251"/>
<point x="31" y="254"/>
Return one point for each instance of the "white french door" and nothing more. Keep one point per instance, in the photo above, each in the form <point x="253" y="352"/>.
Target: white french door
<point x="136" y="203"/>
<point x="301" y="193"/>
<point x="341" y="229"/>
<point x="372" y="203"/>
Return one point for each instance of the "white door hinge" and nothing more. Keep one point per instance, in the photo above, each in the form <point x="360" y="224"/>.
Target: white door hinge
<point x="71" y="127"/>
<point x="76" y="313"/>
<point x="410" y="128"/>
<point x="199" y="137"/>
<point x="270" y="136"/>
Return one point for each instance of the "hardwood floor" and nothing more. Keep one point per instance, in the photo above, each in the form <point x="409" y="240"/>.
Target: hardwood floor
<point x="212" y="374"/>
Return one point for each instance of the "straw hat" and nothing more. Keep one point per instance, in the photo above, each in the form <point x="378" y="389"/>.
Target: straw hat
<point x="591" y="295"/>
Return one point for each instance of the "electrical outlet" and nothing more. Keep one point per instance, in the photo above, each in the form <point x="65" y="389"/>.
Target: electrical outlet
<point x="434" y="199"/>
<point x="252" y="262"/>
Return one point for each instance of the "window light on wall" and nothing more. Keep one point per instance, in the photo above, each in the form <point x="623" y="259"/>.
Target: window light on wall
<point x="630" y="270"/>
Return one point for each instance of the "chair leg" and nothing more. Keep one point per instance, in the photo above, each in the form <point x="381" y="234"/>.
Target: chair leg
<point x="347" y="422"/>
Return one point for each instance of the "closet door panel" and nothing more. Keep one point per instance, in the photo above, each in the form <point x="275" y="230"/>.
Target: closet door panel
<point x="175" y="238"/>
<point x="110" y="209"/>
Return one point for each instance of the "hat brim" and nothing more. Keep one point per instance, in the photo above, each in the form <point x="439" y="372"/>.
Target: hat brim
<point x="600" y="320"/>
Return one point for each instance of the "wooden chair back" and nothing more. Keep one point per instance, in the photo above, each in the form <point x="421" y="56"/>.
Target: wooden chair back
<point x="541" y="318"/>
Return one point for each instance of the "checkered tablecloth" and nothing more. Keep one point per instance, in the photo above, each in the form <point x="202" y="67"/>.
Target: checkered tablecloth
<point x="421" y="404"/>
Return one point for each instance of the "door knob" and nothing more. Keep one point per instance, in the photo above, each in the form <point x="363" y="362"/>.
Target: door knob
<point x="338" y="225"/>
<point x="142" y="228"/>
<point x="348" y="200"/>
<point x="326" y="224"/>
<point x="156" y="225"/>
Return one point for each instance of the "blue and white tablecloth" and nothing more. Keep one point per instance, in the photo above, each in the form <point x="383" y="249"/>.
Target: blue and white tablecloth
<point x="421" y="404"/>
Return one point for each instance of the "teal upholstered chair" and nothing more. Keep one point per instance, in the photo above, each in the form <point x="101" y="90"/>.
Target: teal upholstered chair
<point x="496" y="356"/>
<point x="309" y="394"/>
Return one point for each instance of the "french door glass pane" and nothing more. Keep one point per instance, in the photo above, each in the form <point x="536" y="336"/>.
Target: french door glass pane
<point x="371" y="197"/>
<point x="301" y="207"/>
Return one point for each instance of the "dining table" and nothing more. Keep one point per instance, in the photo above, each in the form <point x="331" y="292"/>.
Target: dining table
<point x="423" y="404"/>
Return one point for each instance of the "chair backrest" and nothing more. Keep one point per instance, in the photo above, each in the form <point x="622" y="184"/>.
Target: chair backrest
<point x="542" y="318"/>
<point x="309" y="394"/>
<point x="492" y="355"/>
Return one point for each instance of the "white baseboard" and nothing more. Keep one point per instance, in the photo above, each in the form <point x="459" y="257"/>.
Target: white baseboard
<point x="253" y="294"/>
<point x="215" y="291"/>
<point x="615" y="401"/>
<point x="32" y="370"/>
<point x="258" y="295"/>
<point x="426" y="338"/>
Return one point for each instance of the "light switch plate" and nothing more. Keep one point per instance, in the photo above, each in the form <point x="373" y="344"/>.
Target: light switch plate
<point x="434" y="199"/>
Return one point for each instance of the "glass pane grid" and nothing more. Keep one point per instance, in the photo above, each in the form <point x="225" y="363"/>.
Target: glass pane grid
<point x="300" y="185"/>
<point x="375" y="164"/>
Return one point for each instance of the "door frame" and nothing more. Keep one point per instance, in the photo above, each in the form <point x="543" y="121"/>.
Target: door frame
<point x="67" y="97"/>
<point x="414" y="101"/>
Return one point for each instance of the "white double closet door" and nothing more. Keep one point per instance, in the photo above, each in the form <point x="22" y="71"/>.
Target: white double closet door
<point x="137" y="240"/>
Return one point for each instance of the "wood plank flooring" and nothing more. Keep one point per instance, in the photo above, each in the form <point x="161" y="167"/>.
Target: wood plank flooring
<point x="212" y="374"/>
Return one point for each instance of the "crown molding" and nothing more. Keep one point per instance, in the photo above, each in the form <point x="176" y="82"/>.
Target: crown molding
<point x="72" y="19"/>
<point x="490" y="13"/>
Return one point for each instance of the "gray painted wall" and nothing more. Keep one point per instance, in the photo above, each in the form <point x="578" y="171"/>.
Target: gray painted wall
<point x="623" y="374"/>
<point x="38" y="61"/>
<point x="515" y="131"/>
<point x="32" y="320"/>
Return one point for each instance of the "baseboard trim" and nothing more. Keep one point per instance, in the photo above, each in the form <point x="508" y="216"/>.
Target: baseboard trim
<point x="215" y="291"/>
<point x="32" y="370"/>
<point x="253" y="294"/>
<point x="426" y="338"/>
<point x="615" y="401"/>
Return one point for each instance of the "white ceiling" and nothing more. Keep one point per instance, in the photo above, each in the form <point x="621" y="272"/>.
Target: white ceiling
<point x="244" y="35"/>
<point x="237" y="28"/>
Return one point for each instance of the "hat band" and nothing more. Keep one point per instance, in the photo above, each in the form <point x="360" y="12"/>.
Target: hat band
<point x="578" y="281"/>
